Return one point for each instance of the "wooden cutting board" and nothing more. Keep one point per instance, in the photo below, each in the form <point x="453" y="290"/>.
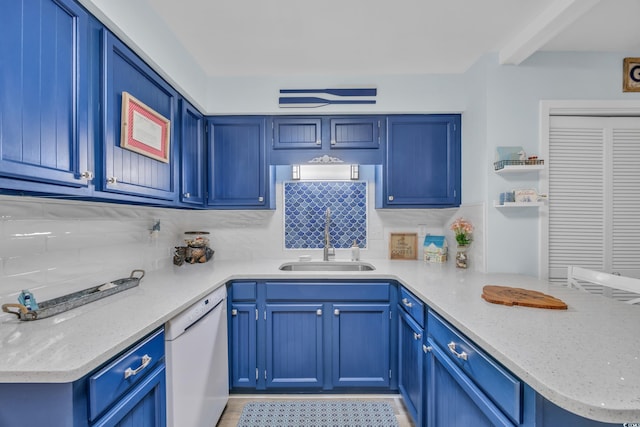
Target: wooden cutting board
<point x="517" y="296"/>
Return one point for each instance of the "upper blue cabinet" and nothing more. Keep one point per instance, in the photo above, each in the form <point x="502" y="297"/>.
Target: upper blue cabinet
<point x="238" y="172"/>
<point x="352" y="138"/>
<point x="44" y="101"/>
<point x="127" y="172"/>
<point x="355" y="132"/>
<point x="193" y="155"/>
<point x="297" y="132"/>
<point x="421" y="167"/>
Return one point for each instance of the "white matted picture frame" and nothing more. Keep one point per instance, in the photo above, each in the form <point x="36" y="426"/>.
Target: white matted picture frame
<point x="144" y="131"/>
<point x="403" y="246"/>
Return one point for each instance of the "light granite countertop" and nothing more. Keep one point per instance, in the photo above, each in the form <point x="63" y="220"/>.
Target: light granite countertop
<point x="585" y="359"/>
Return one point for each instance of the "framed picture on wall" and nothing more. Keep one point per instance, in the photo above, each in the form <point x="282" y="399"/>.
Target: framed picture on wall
<point x="144" y="131"/>
<point x="403" y="246"/>
<point x="631" y="75"/>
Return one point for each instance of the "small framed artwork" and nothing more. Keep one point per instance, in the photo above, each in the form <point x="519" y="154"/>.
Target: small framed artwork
<point x="631" y="75"/>
<point x="144" y="131"/>
<point x="403" y="246"/>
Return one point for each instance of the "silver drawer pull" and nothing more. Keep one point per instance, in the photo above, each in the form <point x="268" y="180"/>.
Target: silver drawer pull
<point x="452" y="347"/>
<point x="131" y="372"/>
<point x="406" y="302"/>
<point x="417" y="336"/>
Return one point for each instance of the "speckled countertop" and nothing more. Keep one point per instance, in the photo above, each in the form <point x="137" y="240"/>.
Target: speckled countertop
<point x="585" y="359"/>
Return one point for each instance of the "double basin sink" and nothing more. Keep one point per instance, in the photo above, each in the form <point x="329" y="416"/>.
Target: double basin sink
<point x="326" y="266"/>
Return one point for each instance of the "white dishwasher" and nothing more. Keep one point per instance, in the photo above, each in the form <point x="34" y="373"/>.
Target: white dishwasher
<point x="197" y="363"/>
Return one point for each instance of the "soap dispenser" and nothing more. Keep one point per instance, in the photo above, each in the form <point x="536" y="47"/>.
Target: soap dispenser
<point x="355" y="252"/>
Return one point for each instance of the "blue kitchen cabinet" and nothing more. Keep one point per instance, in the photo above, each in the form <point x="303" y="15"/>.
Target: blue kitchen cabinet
<point x="238" y="172"/>
<point x="411" y="336"/>
<point x="44" y="136"/>
<point x="421" y="167"/>
<point x="466" y="387"/>
<point x="106" y="397"/>
<point x="124" y="174"/>
<point x="243" y="319"/>
<point x="297" y="132"/>
<point x="312" y="336"/>
<point x="294" y="346"/>
<point x="355" y="132"/>
<point x="243" y="345"/>
<point x="193" y="156"/>
<point x="360" y="353"/>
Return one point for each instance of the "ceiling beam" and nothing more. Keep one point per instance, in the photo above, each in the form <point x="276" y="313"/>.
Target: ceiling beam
<point x="554" y="19"/>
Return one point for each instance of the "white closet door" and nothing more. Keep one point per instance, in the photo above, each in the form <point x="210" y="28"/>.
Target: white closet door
<point x="594" y="194"/>
<point x="625" y="229"/>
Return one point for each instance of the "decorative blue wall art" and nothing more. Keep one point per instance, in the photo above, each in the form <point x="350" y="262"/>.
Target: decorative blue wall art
<point x="305" y="206"/>
<point x="313" y="98"/>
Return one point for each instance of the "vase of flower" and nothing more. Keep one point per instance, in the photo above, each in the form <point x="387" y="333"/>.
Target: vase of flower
<point x="462" y="258"/>
<point x="463" y="230"/>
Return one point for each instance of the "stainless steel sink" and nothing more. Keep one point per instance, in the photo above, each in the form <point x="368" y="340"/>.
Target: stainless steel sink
<point x="326" y="266"/>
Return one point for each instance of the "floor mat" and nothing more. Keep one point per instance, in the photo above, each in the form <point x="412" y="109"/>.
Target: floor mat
<point x="318" y="413"/>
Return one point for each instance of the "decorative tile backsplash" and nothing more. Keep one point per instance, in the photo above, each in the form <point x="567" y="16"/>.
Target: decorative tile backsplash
<point x="305" y="206"/>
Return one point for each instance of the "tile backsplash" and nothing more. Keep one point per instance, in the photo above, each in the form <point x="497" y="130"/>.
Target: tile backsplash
<point x="305" y="206"/>
<point x="53" y="247"/>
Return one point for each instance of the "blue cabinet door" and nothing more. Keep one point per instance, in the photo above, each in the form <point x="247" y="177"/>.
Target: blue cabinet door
<point x="453" y="399"/>
<point x="411" y="366"/>
<point x="44" y="102"/>
<point x="242" y="345"/>
<point x="297" y="132"/>
<point x="192" y="161"/>
<point x="237" y="163"/>
<point x="294" y="346"/>
<point x="355" y="132"/>
<point x="360" y="347"/>
<point x="422" y="162"/>
<point x="144" y="406"/>
<point x="124" y="172"/>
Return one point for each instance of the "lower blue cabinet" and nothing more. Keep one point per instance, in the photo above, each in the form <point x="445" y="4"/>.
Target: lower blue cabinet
<point x="242" y="345"/>
<point x="294" y="346"/>
<point x="144" y="406"/>
<point x="453" y="399"/>
<point x="312" y="336"/>
<point x="360" y="345"/>
<point x="411" y="366"/>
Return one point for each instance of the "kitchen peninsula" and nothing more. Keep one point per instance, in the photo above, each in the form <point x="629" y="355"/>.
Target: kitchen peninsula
<point x="584" y="359"/>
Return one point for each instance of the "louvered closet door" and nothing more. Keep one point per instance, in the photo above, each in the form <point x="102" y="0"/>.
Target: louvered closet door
<point x="594" y="194"/>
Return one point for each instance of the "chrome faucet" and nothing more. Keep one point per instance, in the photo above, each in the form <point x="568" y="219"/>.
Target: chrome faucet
<point x="329" y="251"/>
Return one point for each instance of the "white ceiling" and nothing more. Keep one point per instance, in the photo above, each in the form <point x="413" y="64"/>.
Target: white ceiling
<point x="371" y="37"/>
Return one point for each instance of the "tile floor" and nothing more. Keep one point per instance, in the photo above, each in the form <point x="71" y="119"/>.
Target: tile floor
<point x="232" y="412"/>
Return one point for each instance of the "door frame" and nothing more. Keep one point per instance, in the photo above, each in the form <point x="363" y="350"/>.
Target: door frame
<point x="548" y="108"/>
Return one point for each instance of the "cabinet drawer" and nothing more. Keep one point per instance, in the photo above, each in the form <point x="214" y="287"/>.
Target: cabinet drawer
<point x="108" y="384"/>
<point x="412" y="305"/>
<point x="332" y="291"/>
<point x="243" y="291"/>
<point x="500" y="386"/>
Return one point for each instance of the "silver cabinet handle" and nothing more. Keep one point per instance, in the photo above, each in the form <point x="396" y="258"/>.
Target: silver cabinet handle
<point x="452" y="347"/>
<point x="131" y="372"/>
<point x="407" y="303"/>
<point x="391" y="198"/>
<point x="186" y="195"/>
<point x="417" y="336"/>
<point x="319" y="312"/>
<point x="426" y="348"/>
<point x="261" y="199"/>
<point x="112" y="180"/>
<point x="88" y="175"/>
<point x="234" y="312"/>
<point x="318" y="142"/>
<point x="336" y="312"/>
